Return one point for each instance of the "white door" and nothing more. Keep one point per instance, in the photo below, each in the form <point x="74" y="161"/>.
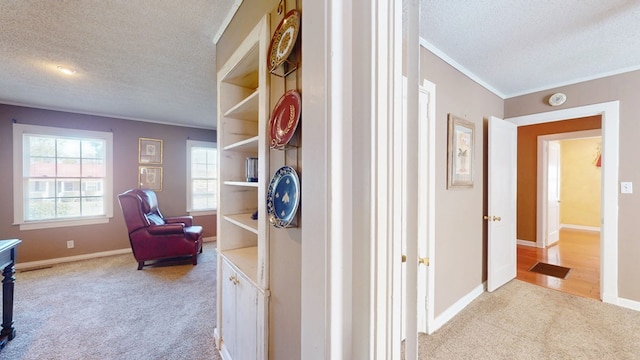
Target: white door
<point x="553" y="192"/>
<point x="426" y="205"/>
<point x="501" y="216"/>
<point x="417" y="310"/>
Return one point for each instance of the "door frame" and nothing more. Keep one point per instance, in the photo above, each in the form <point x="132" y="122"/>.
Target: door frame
<point x="610" y="112"/>
<point x="541" y="207"/>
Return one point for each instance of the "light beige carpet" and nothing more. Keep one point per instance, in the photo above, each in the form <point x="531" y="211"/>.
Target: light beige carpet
<point x="106" y="309"/>
<point x="525" y="321"/>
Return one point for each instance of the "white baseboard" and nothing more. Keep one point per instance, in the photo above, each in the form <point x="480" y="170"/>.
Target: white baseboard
<point x="458" y="306"/>
<point x="579" y="227"/>
<point x="527" y="243"/>
<point x="625" y="303"/>
<point x="48" y="262"/>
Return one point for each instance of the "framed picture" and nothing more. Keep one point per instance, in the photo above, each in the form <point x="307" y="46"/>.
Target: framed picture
<point x="150" y="177"/>
<point x="149" y="151"/>
<point x="460" y="153"/>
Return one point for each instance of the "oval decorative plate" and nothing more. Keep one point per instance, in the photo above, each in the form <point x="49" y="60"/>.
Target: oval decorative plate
<point x="284" y="119"/>
<point x="283" y="40"/>
<point x="283" y="197"/>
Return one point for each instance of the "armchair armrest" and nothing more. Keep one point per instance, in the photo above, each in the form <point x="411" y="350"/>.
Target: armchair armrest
<point x="166" y="229"/>
<point x="187" y="220"/>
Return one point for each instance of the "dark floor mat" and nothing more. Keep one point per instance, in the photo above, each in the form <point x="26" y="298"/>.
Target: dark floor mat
<point x="551" y="270"/>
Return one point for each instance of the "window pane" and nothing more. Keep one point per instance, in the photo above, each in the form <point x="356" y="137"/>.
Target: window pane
<point x="203" y="194"/>
<point x="43" y="146"/>
<point x="93" y="149"/>
<point x="211" y="171"/>
<point x="92" y="187"/>
<point x="38" y="209"/>
<point x="41" y="167"/>
<point x="68" y="167"/>
<point x="68" y="207"/>
<point x="199" y="170"/>
<point x="93" y="168"/>
<point x="199" y="155"/>
<point x="199" y="203"/>
<point x="68" y="188"/>
<point x="68" y="148"/>
<point x="211" y="186"/>
<point x="41" y="188"/>
<point x="92" y="206"/>
<point x="204" y="186"/>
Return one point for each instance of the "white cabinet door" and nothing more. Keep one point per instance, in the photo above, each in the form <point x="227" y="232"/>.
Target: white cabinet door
<point x="228" y="327"/>
<point x="239" y="330"/>
<point x="247" y="320"/>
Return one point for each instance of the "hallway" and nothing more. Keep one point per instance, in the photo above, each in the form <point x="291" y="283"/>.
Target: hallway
<point x="578" y="250"/>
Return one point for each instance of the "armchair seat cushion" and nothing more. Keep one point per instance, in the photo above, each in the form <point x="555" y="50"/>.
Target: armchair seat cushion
<point x="153" y="236"/>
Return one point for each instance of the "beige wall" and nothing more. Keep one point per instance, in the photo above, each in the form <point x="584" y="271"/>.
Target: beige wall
<point x="528" y="168"/>
<point x="460" y="242"/>
<point x="580" y="182"/>
<point x="625" y="88"/>
<point x="51" y="243"/>
<point x="285" y="244"/>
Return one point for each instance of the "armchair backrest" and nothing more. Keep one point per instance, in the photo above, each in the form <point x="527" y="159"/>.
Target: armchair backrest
<point x="140" y="209"/>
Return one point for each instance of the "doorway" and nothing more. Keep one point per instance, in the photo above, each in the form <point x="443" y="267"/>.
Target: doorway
<point x="568" y="168"/>
<point x="609" y="113"/>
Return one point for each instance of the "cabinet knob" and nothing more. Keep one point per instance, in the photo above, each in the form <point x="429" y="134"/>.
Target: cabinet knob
<point x="234" y="279"/>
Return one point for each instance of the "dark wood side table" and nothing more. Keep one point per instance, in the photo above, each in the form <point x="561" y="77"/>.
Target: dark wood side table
<point x="7" y="263"/>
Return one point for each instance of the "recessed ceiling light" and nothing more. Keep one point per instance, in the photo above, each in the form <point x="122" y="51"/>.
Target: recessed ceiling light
<point x="66" y="70"/>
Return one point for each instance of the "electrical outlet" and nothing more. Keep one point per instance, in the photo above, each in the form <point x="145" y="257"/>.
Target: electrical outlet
<point x="70" y="244"/>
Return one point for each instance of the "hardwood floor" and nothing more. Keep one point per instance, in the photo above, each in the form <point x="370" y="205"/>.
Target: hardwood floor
<point x="576" y="249"/>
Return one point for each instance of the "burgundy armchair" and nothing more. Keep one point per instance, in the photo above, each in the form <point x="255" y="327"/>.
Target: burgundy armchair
<point x="153" y="236"/>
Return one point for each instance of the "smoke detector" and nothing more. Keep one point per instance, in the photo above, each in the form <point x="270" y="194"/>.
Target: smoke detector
<point x="557" y="99"/>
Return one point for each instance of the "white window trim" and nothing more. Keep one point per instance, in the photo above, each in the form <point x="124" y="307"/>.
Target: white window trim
<point x="190" y="144"/>
<point x="18" y="200"/>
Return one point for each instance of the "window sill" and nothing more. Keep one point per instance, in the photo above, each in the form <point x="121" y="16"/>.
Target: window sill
<point x="62" y="223"/>
<point x="202" y="212"/>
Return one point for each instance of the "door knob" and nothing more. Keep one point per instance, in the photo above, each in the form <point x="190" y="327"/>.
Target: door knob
<point x="492" y="218"/>
<point x="423" y="261"/>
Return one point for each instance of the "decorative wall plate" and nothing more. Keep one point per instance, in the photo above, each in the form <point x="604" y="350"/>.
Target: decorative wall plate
<point x="284" y="119"/>
<point x="283" y="197"/>
<point x="284" y="39"/>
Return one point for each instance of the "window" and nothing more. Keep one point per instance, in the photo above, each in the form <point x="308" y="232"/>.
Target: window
<point x="202" y="176"/>
<point x="62" y="177"/>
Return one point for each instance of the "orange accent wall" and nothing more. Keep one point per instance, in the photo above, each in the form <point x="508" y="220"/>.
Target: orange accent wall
<point x="528" y="167"/>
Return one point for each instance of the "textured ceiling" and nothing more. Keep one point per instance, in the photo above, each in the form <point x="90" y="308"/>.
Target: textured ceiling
<point x="143" y="59"/>
<point x="516" y="47"/>
<point x="155" y="60"/>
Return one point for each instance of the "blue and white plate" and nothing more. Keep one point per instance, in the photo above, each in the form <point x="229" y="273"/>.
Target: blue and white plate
<point x="283" y="197"/>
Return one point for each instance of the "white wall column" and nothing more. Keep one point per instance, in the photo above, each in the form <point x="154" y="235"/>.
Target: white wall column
<point x="351" y="96"/>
